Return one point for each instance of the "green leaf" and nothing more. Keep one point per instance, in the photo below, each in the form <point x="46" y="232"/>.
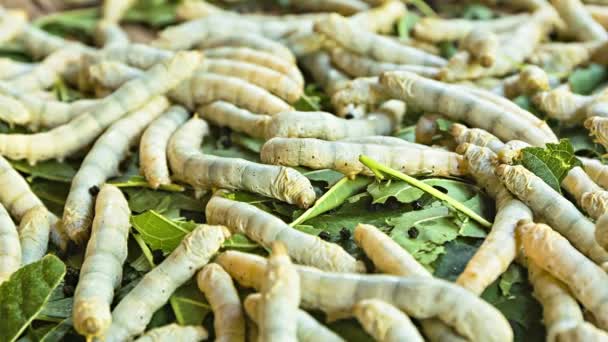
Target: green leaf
<point x="25" y="293"/>
<point x="477" y="12"/>
<point x="406" y="193"/>
<point x="155" y="14"/>
<point x="333" y="198"/>
<point x="525" y="102"/>
<point x="137" y="181"/>
<point x="447" y="49"/>
<point x="455" y="258"/>
<point x="330" y="177"/>
<point x="551" y="163"/>
<point x="167" y="203"/>
<point x="247" y="142"/>
<point x="49" y="169"/>
<point x="584" y="80"/>
<point x="313" y="99"/>
<point x="57" y="333"/>
<point x="60" y="308"/>
<point x="512" y="275"/>
<point x="159" y="232"/>
<point x="53" y="194"/>
<point x="189" y="305"/>
<point x="406" y="23"/>
<point x="581" y="142"/>
<point x="469" y="228"/>
<point x="240" y="242"/>
<point x="349" y="329"/>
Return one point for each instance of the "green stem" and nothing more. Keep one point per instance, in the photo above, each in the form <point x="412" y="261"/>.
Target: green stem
<point x="375" y="166"/>
<point x="423" y="7"/>
<point x="70" y="14"/>
<point x="144" y="249"/>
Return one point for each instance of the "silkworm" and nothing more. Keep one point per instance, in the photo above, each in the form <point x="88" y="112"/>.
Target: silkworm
<point x="265" y="228"/>
<point x="598" y="128"/>
<point x="385" y="322"/>
<point x="482" y="46"/>
<point x="101" y="163"/>
<point x="153" y="146"/>
<point x="596" y="170"/>
<point x="132" y="314"/>
<point x="333" y="292"/>
<point x="81" y="131"/>
<point x="319" y="65"/>
<point x="347" y="35"/>
<point x="34" y="230"/>
<point x="560" y="213"/>
<point x="578" y="21"/>
<point x="570" y="108"/>
<point x="552" y="252"/>
<point x="175" y="332"/>
<point x="228" y="317"/>
<point x="344" y="157"/>
<point x="562" y="58"/>
<point x="101" y="271"/>
<point x="10" y="249"/>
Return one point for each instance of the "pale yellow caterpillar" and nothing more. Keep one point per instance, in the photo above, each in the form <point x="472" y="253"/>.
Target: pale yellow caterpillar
<point x="175" y="332"/>
<point x="386" y="254"/>
<point x="18" y="199"/>
<point x="225" y="114"/>
<point x="595" y="203"/>
<point x="464" y="104"/>
<point x="599" y="13"/>
<point x="261" y="58"/>
<point x="10" y="249"/>
<point x="383" y="140"/>
<point x="46" y="73"/>
<point x="137" y="55"/>
<point x="279" y="298"/>
<point x="559" y="212"/>
<point x="476" y="136"/>
<point x="132" y="314"/>
<point x="319" y="65"/>
<point x="354" y="97"/>
<point x="101" y="270"/>
<point x="252" y="41"/>
<point x="190" y="165"/>
<point x="308" y="329"/>
<point x="552" y="252"/>
<point x="39" y="43"/>
<point x="380" y="18"/>
<point x="101" y="163"/>
<point x="10" y="68"/>
<point x="34" y="230"/>
<point x="471" y="316"/>
<point x="514" y="48"/>
<point x="437" y="30"/>
<point x="570" y="108"/>
<point x="601" y="230"/>
<point x="344" y="157"/>
<point x="598" y="127"/>
<point x="359" y="66"/>
<point x="562" y="58"/>
<point x="529" y="81"/>
<point x="11" y="24"/>
<point x="190" y="10"/>
<point x="596" y="170"/>
<point x="499" y="248"/>
<point x="349" y="36"/>
<point x="114" y="10"/>
<point x="109" y="33"/>
<point x="81" y="131"/>
<point x="228" y="317"/>
<point x="481" y="45"/>
<point x="385" y="322"/>
<point x="265" y="228"/>
<point x="153" y="146"/>
<point x="578" y="21"/>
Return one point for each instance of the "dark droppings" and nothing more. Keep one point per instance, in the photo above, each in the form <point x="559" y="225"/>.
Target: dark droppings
<point x="324" y="236"/>
<point x="94" y="190"/>
<point x="345" y="234"/>
<point x="413" y="233"/>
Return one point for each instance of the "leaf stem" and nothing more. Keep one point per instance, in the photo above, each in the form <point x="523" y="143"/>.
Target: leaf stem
<point x="375" y="166"/>
<point x="423" y="7"/>
<point x="144" y="249"/>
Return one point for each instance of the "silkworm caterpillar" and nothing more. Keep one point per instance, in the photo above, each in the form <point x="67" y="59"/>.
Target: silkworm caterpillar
<point x="380" y="18"/>
<point x="261" y="58"/>
<point x="10" y="249"/>
<point x="598" y="128"/>
<point x="595" y="203"/>
<point x="529" y="81"/>
<point x="101" y="270"/>
<point x="190" y="10"/>
<point x="385" y="253"/>
<point x="601" y="230"/>
<point x="359" y="66"/>
<point x="596" y="170"/>
<point x="476" y="136"/>
<point x="175" y="332"/>
<point x="382" y="140"/>
<point x="226" y="114"/>
<point x="557" y="256"/>
<point x="437" y="30"/>
<point x="385" y="322"/>
<point x="190" y="165"/>
<point x="252" y="41"/>
<point x="39" y="43"/>
<point x="354" y="97"/>
<point x="563" y="105"/>
<point x="435" y="297"/>
<point x="308" y="329"/>
<point x="347" y="35"/>
<point x="560" y="213"/>
<point x="11" y="24"/>
<point x="47" y="72"/>
<point x="34" y="230"/>
<point x="153" y="146"/>
<point x="578" y="21"/>
<point x="132" y="314"/>
<point x="114" y="10"/>
<point x="279" y="298"/>
<point x="344" y="157"/>
<point x="481" y="45"/>
<point x="81" y="131"/>
<point x="266" y="228"/>
<point x="319" y="65"/>
<point x="31" y="111"/>
<point x="101" y="163"/>
<point x="562" y="58"/>
<point x="599" y="13"/>
<point x="513" y="49"/>
<point x="19" y="199"/>
<point x="499" y="248"/>
<point x="109" y="33"/>
<point x="10" y="68"/>
<point x="136" y="55"/>
<point x="464" y="104"/>
<point x="228" y="317"/>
